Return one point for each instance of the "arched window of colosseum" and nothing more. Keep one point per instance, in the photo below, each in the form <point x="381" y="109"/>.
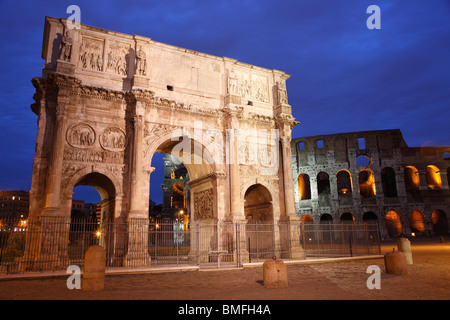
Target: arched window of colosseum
<point x="440" y="222"/>
<point x="416" y="222"/>
<point x="344" y="182"/>
<point x="389" y="182"/>
<point x="394" y="224"/>
<point x="366" y="183"/>
<point x="307" y="218"/>
<point x="304" y="187"/>
<point x="433" y="177"/>
<point x="362" y="160"/>
<point x="347" y="217"/>
<point x="323" y="183"/>
<point x="370" y="217"/>
<point x="326" y="218"/>
<point x="412" y="180"/>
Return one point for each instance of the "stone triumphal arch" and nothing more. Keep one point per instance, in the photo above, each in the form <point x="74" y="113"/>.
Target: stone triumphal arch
<point x="106" y="102"/>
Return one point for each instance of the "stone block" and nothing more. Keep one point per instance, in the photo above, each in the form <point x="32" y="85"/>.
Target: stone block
<point x="395" y="263"/>
<point x="275" y="274"/>
<point x="140" y="81"/>
<point x="64" y="67"/>
<point x="94" y="269"/>
<point x="404" y="245"/>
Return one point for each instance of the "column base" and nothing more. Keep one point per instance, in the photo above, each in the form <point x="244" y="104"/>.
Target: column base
<point x="51" y="244"/>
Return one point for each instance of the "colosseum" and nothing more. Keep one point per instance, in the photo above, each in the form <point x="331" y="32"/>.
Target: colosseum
<point x="372" y="176"/>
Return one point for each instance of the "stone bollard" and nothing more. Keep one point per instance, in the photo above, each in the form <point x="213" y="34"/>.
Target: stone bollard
<point x="274" y="274"/>
<point x="94" y="269"/>
<point x="404" y="246"/>
<point x="395" y="263"/>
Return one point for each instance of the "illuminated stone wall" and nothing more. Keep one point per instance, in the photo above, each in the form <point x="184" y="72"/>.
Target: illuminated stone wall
<point x="107" y="102"/>
<point x="372" y="173"/>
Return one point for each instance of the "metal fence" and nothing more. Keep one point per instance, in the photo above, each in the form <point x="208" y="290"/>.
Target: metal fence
<point x="54" y="245"/>
<point x="340" y="240"/>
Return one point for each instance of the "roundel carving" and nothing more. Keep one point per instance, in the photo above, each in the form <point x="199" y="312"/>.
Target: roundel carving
<point x="80" y="135"/>
<point x="267" y="156"/>
<point x="113" y="139"/>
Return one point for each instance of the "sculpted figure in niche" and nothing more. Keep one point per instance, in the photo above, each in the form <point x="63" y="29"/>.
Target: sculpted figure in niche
<point x="282" y="93"/>
<point x="141" y="62"/>
<point x="66" y="47"/>
<point x="233" y="84"/>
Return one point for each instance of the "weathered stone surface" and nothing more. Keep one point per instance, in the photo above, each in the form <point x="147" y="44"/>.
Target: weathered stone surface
<point x="372" y="176"/>
<point x="275" y="274"/>
<point x="404" y="245"/>
<point x="94" y="269"/>
<point x="107" y="102"/>
<point x="395" y="263"/>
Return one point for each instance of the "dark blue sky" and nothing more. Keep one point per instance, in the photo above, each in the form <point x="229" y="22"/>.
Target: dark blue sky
<point x="345" y="77"/>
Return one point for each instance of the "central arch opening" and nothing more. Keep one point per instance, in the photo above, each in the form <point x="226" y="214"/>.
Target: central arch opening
<point x="258" y="210"/>
<point x="185" y="187"/>
<point x="185" y="164"/>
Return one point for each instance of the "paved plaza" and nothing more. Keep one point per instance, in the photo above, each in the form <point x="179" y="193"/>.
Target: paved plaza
<point x="428" y="278"/>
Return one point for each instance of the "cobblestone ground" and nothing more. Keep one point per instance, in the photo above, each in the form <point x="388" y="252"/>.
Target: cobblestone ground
<point x="427" y="278"/>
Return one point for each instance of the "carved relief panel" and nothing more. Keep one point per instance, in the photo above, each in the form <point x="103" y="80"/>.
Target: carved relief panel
<point x="248" y="86"/>
<point x="260" y="89"/>
<point x="113" y="139"/>
<point x="117" y="58"/>
<point x="203" y="204"/>
<point x="91" y="54"/>
<point x="80" y="135"/>
<point x="267" y="156"/>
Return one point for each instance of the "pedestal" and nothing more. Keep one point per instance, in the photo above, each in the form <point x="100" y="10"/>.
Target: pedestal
<point x="139" y="82"/>
<point x="137" y="254"/>
<point x="65" y="68"/>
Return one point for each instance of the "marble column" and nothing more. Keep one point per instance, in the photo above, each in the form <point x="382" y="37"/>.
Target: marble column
<point x="137" y="221"/>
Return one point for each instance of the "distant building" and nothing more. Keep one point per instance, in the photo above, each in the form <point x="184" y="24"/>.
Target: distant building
<point x="14" y="204"/>
<point x="81" y="209"/>
<point x="175" y="189"/>
<point x="372" y="176"/>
